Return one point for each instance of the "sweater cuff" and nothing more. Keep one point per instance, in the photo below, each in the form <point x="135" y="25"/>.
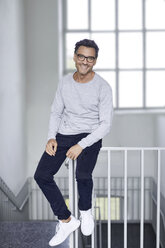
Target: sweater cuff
<point x="51" y="137"/>
<point x="81" y="143"/>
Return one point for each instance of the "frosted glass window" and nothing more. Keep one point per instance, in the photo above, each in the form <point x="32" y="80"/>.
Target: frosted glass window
<point x="109" y="76"/>
<point x="155" y="14"/>
<point x="155" y="89"/>
<point x="130" y="14"/>
<point x="71" y="39"/>
<point x="103" y="15"/>
<point x="77" y="14"/>
<point x="106" y="44"/>
<point x="130" y="50"/>
<point x="130" y="89"/>
<point x="155" y="50"/>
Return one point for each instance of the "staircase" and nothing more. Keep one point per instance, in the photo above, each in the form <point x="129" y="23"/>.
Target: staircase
<point x="36" y="234"/>
<point x="117" y="234"/>
<point x="30" y="234"/>
<point x="125" y="203"/>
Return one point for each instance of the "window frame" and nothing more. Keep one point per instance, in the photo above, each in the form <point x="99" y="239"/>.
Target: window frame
<point x="62" y="43"/>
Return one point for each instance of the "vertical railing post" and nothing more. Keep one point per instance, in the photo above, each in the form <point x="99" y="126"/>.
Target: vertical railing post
<point x="125" y="199"/>
<point x="34" y="200"/>
<point x="142" y="201"/>
<point x="75" y="199"/>
<point x="94" y="234"/>
<point x="109" y="199"/>
<point x="73" y="202"/>
<point x="71" y="197"/>
<point x="158" y="201"/>
<point x="100" y="229"/>
<point x="30" y="197"/>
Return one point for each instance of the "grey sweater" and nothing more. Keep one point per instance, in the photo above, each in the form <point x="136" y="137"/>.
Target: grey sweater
<point x="82" y="108"/>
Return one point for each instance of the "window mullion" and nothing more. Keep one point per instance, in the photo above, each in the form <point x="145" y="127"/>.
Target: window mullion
<point x="144" y="52"/>
<point x="117" y="53"/>
<point x="89" y="18"/>
<point x="60" y="40"/>
<point x="64" y="33"/>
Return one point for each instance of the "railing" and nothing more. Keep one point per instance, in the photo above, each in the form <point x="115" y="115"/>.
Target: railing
<point x="100" y="228"/>
<point x="73" y="203"/>
<point x="109" y="150"/>
<point x="20" y="200"/>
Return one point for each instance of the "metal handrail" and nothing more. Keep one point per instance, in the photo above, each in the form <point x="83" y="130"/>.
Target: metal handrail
<point x="18" y="201"/>
<point x="116" y="148"/>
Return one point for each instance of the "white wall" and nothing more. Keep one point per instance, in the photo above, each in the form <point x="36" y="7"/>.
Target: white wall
<point x="12" y="95"/>
<point x="41" y="73"/>
<point x="130" y="130"/>
<point x="160" y="129"/>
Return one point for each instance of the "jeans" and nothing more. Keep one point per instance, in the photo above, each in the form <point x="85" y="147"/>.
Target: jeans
<point x="49" y="165"/>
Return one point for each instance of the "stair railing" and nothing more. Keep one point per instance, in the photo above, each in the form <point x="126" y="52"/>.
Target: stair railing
<point x="142" y="150"/>
<point x="100" y="228"/>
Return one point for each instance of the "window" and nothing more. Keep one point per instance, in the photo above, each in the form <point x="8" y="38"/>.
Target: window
<point x="101" y="208"/>
<point x="131" y="42"/>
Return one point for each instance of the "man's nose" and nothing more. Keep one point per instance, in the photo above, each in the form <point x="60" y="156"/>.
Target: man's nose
<point x="85" y="61"/>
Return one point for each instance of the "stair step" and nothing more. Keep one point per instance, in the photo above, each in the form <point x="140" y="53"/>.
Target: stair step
<point x="30" y="234"/>
<point x="36" y="234"/>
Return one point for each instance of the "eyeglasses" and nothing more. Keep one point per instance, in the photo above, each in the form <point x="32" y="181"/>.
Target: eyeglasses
<point x="89" y="59"/>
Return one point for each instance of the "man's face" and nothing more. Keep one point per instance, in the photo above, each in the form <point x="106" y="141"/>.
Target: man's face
<point x="84" y="66"/>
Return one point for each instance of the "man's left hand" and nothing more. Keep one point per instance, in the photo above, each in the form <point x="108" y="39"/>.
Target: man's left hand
<point x="74" y="152"/>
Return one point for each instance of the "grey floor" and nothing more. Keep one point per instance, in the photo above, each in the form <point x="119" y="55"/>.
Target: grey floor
<point x="34" y="234"/>
<point x="133" y="235"/>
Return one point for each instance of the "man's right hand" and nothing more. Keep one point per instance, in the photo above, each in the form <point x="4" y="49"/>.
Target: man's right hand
<point x="51" y="147"/>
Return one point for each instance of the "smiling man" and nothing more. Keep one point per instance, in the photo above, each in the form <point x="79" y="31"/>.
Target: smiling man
<point x="81" y="115"/>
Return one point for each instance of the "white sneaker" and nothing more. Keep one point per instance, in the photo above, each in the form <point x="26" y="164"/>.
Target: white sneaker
<point x="87" y="222"/>
<point x="63" y="230"/>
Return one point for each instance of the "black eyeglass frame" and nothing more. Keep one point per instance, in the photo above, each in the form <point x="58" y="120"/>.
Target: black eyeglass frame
<point x="83" y="57"/>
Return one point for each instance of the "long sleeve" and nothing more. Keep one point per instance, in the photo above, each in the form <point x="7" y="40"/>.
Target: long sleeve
<point x="105" y="118"/>
<point x="56" y="113"/>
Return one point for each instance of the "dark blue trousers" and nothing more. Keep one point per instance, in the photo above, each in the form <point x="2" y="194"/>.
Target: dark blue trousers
<point x="49" y="165"/>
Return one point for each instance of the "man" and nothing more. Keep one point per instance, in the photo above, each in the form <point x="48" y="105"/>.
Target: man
<point x="81" y="115"/>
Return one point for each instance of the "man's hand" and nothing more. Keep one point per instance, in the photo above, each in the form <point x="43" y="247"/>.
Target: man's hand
<point x="51" y="147"/>
<point x="74" y="152"/>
